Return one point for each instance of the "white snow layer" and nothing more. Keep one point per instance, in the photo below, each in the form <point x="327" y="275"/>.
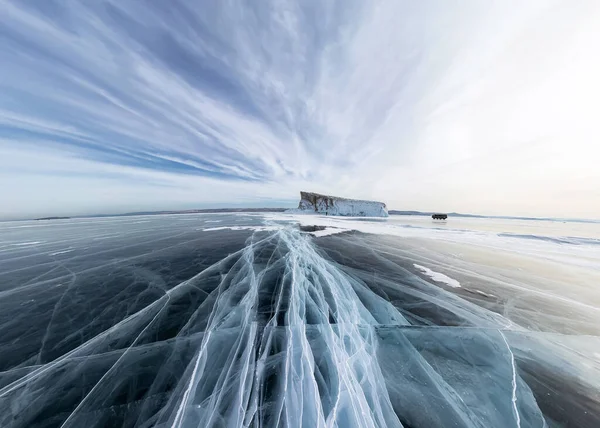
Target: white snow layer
<point x="254" y="228"/>
<point x="328" y="231"/>
<point x="439" y="277"/>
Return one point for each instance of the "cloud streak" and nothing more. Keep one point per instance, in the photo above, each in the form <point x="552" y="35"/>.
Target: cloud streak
<point x="228" y="101"/>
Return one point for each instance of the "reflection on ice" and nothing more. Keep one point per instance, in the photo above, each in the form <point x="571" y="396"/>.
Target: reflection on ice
<point x="272" y="327"/>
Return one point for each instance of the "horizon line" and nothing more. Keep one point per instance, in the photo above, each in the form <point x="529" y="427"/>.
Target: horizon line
<point x="278" y="209"/>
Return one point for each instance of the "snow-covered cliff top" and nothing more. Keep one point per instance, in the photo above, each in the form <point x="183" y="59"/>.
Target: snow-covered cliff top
<point x="332" y="205"/>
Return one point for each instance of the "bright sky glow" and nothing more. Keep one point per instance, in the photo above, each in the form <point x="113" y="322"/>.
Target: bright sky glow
<point x="122" y="105"/>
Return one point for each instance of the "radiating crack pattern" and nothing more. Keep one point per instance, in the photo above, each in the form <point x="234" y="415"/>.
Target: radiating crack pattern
<point x="270" y="330"/>
<point x="271" y="358"/>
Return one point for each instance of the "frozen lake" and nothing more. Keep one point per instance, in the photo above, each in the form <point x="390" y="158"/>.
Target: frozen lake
<point x="267" y="320"/>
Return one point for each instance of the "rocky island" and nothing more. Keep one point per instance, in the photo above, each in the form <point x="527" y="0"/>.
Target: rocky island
<point x="333" y="205"/>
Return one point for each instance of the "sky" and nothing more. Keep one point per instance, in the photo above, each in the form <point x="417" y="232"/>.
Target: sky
<point x="468" y="106"/>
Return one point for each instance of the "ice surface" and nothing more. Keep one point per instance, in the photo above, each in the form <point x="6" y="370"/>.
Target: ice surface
<point x="168" y="321"/>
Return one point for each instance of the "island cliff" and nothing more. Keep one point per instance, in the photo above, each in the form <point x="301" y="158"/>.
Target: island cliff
<point x="332" y="205"/>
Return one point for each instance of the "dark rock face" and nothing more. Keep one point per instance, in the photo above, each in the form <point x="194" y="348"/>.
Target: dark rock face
<point x="310" y="200"/>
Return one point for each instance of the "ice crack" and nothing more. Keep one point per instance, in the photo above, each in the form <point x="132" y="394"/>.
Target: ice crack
<point x="514" y="381"/>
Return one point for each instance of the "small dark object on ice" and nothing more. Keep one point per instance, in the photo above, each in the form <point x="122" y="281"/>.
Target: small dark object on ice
<point x="439" y="216"/>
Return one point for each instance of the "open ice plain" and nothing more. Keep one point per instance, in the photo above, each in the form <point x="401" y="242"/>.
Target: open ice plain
<point x="228" y="320"/>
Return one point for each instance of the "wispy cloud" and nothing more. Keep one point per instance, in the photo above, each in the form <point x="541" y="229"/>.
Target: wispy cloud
<point x="206" y="102"/>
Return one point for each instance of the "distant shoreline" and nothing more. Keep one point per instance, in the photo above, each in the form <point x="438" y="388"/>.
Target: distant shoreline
<point x="52" y="218"/>
<point x="279" y="210"/>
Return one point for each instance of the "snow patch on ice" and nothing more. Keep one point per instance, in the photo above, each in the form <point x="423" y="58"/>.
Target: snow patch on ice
<point x="483" y="293"/>
<point x="254" y="228"/>
<point x="439" y="277"/>
<point x="585" y="256"/>
<point x="56" y="253"/>
<point x="328" y="231"/>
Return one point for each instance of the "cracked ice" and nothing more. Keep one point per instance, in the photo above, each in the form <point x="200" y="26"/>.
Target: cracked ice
<point x="170" y="322"/>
